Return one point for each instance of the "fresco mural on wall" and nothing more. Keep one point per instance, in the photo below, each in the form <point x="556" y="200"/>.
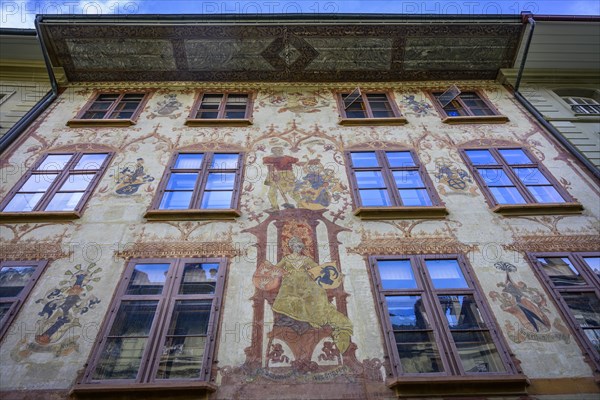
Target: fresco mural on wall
<point x="452" y="178"/>
<point x="62" y="307"/>
<point x="129" y="179"/>
<point x="167" y="107"/>
<point x="418" y="108"/>
<point x="528" y="305"/>
<point x="298" y="102"/>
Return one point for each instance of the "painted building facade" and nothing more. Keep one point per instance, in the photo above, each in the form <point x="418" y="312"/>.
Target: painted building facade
<point x="335" y="238"/>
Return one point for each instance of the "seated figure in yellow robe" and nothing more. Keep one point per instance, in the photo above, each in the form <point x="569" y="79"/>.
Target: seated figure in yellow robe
<point x="302" y="299"/>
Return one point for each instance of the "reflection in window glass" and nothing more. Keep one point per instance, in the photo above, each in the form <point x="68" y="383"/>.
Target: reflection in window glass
<point x="147" y="279"/>
<point x="561" y="271"/>
<point x="364" y="159"/>
<point x="446" y="274"/>
<point x="396" y="274"/>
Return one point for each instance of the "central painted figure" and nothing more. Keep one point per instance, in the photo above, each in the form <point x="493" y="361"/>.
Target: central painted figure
<point x="302" y="299"/>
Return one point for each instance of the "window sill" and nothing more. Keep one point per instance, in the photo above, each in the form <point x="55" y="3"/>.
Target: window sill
<point x="218" y="122"/>
<point x="373" y="121"/>
<point x="142" y="390"/>
<point x="367" y="213"/>
<point x="538" y="209"/>
<point x="482" y="119"/>
<point x="74" y="123"/>
<point x="192" y="215"/>
<point x="38" y="216"/>
<point x="490" y="385"/>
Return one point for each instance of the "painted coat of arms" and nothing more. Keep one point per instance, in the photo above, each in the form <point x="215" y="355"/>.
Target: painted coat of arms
<point x="130" y="179"/>
<point x="61" y="309"/>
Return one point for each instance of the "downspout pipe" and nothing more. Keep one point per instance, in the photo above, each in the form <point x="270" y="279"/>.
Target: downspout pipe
<point x="21" y="125"/>
<point x="540" y="118"/>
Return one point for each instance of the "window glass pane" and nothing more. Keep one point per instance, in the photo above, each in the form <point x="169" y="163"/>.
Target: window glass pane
<point x="216" y="200"/>
<point x="364" y="160"/>
<point x="23" y="202"/>
<point x="356" y="110"/>
<point x="514" y="156"/>
<point x="54" y="162"/>
<point x="38" y="183"/>
<point x="481" y="157"/>
<point x="414" y="197"/>
<point x="400" y="159"/>
<point x="396" y="274"/>
<point x="211" y="100"/>
<point x="77" y="182"/>
<point x="189" y="161"/>
<point x="207" y="115"/>
<point x="477" y="352"/>
<point x="147" y="279"/>
<point x="593" y="263"/>
<point x="545" y="194"/>
<point x="369" y="179"/>
<point x="199" y="278"/>
<point x="446" y="274"/>
<point x="374" y="197"/>
<point x="185" y="343"/>
<point x="14" y="278"/>
<point x="531" y="176"/>
<point x="407" y="313"/>
<point x="91" y="161"/>
<point x="585" y="308"/>
<point x="593" y="335"/>
<point x="507" y="195"/>
<point x="408" y="179"/>
<point x="418" y="352"/>
<point x="225" y="161"/>
<point x="220" y="181"/>
<point x="494" y="177"/>
<point x="64" y="201"/>
<point x="190" y="317"/>
<point x="182" y="181"/>
<point x="120" y="358"/>
<point x="461" y="312"/>
<point x="175" y="200"/>
<point x="561" y="271"/>
<point x="134" y="318"/>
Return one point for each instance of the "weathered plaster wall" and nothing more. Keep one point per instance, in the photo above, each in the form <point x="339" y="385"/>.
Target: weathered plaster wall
<point x="304" y="122"/>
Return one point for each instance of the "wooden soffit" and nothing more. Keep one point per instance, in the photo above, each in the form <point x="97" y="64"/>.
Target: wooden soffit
<point x="280" y="48"/>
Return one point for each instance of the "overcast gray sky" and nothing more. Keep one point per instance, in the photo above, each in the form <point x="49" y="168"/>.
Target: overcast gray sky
<point x="20" y="14"/>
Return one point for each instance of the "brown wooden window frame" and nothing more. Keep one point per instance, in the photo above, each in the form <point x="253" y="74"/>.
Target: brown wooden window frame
<point x="396" y="210"/>
<point x="193" y="120"/>
<point x="18" y="301"/>
<point x="158" y="331"/>
<point x="470" y="118"/>
<point x="106" y="121"/>
<point x="454" y="380"/>
<point x="592" y="285"/>
<point x="532" y="206"/>
<point x="396" y="119"/>
<point x="197" y="213"/>
<point x="39" y="212"/>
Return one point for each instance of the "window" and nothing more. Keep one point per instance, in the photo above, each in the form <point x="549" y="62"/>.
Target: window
<point x="581" y="101"/>
<point x="57" y="183"/>
<point x="358" y="106"/>
<point x="390" y="179"/>
<point x="223" y="108"/>
<point x="200" y="181"/>
<point x="114" y="109"/>
<point x="582" y="105"/>
<point x="468" y="107"/>
<point x="573" y="280"/>
<point x="17" y="278"/>
<point x="511" y="176"/>
<point x="162" y="324"/>
<point x="436" y="321"/>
